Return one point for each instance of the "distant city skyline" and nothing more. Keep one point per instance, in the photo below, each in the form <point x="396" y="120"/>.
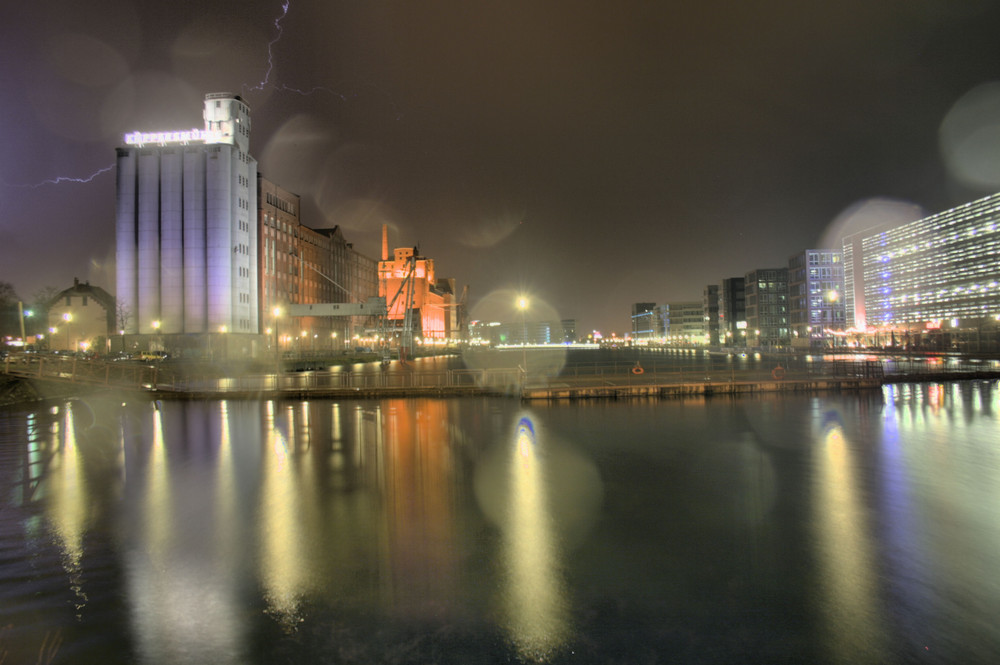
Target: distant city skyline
<point x="589" y="157"/>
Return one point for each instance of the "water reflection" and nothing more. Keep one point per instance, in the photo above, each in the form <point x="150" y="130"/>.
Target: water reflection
<point x="68" y="501"/>
<point x="848" y="574"/>
<point x="418" y="487"/>
<point x="535" y="604"/>
<point x="827" y="529"/>
<point x="184" y="603"/>
<point x="282" y="520"/>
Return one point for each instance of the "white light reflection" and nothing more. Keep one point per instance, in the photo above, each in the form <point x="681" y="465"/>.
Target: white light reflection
<point x="226" y="516"/>
<point x="843" y="550"/>
<point x="180" y="583"/>
<point x="535" y="604"/>
<point x="67" y="504"/>
<point x="158" y="508"/>
<point x="280" y="529"/>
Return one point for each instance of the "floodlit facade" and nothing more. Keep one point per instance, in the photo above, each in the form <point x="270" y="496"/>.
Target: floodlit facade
<point x="81" y="318"/>
<point x="186" y="232"/>
<point x="940" y="270"/>
<point x="816" y="296"/>
<point x="408" y="280"/>
<point x="207" y="249"/>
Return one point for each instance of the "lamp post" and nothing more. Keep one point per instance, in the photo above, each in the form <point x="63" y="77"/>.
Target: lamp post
<point x="522" y="304"/>
<point x="67" y="317"/>
<point x="156" y="339"/>
<point x="277" y="341"/>
<point x="225" y="342"/>
<point x="21" y="314"/>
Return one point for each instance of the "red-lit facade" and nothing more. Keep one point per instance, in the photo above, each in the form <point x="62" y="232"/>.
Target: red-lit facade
<point x="433" y="301"/>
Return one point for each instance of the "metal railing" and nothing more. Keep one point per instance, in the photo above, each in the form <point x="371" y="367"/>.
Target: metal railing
<point x="79" y="370"/>
<point x="648" y="371"/>
<point x="501" y="380"/>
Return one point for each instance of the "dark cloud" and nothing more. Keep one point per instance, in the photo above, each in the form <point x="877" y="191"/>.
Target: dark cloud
<point x="594" y="153"/>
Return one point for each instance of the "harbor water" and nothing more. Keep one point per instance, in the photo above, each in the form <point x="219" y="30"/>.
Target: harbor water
<point x="834" y="528"/>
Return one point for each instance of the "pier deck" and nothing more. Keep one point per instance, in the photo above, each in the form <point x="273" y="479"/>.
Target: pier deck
<point x="612" y="390"/>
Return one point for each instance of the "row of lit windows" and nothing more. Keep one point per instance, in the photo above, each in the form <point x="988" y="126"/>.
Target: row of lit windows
<point x="943" y="266"/>
<point x="967" y="248"/>
<point x="280" y="203"/>
<point x="817" y="258"/>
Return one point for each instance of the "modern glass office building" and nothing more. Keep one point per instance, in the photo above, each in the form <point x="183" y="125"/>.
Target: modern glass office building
<point x="733" y="312"/>
<point x="767" y="307"/>
<point x="942" y="268"/>
<point x="815" y="290"/>
<point x="644" y="321"/>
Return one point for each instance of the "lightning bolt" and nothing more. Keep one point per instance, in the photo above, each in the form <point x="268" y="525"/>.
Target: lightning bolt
<point x="270" y="47"/>
<point x="266" y="81"/>
<point x="58" y="180"/>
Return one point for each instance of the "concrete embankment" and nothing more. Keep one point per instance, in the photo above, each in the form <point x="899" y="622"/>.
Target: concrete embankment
<point x="18" y="390"/>
<point x="692" y="389"/>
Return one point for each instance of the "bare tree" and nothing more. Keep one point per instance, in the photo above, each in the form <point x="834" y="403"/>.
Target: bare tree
<point x="40" y="304"/>
<point x="123" y="314"/>
<point x="9" y="323"/>
<point x="43" y="297"/>
<point x="8" y="296"/>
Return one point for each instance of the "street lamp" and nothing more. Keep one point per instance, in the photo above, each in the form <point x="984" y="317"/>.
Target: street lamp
<point x="23" y="313"/>
<point x="277" y="341"/>
<point x="522" y="304"/>
<point x="67" y="317"/>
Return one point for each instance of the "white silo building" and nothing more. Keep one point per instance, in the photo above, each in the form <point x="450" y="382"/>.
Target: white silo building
<point x="186" y="226"/>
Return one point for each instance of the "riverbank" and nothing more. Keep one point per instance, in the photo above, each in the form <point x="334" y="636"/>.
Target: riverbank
<point x="17" y="390"/>
<point x="551" y="376"/>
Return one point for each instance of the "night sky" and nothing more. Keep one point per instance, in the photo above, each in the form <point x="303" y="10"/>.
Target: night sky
<point x="589" y="154"/>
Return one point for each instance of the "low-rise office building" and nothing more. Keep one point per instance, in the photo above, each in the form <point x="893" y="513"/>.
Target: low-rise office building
<point x="815" y="291"/>
<point x="683" y="323"/>
<point x="732" y="312"/>
<point x="644" y="321"/>
<point x="767" y="307"/>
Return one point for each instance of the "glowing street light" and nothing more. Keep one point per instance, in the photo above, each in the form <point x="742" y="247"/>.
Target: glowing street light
<point x="68" y="318"/>
<point x="276" y="312"/>
<point x="522" y="304"/>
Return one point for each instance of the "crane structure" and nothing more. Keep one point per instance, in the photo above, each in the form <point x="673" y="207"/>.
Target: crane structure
<point x="374" y="306"/>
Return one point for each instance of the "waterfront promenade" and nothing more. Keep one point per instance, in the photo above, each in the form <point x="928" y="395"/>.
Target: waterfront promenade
<point x="626" y="376"/>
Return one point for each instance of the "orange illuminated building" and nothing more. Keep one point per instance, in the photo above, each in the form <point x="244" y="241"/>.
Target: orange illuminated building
<point x="435" y="313"/>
